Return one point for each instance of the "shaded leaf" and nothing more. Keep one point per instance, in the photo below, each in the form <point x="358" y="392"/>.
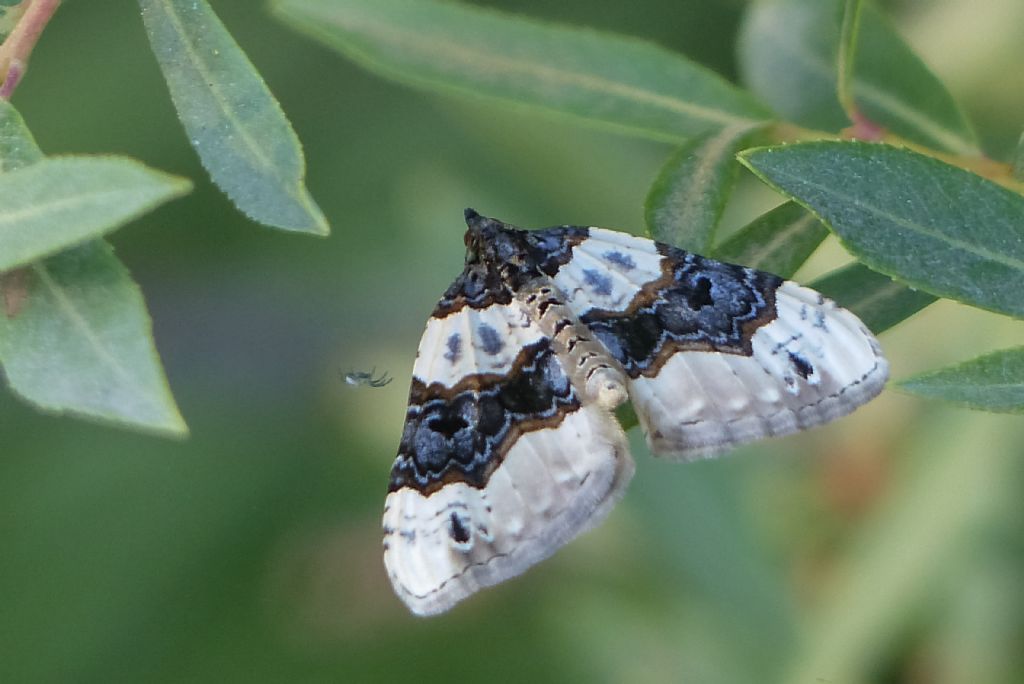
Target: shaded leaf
<point x="233" y="121"/>
<point x="933" y="226"/>
<point x="909" y="553"/>
<point x="686" y="201"/>
<point x="848" y="34"/>
<point x="82" y="343"/>
<point x="877" y="300"/>
<point x="17" y="147"/>
<point x="710" y="545"/>
<point x="63" y="201"/>
<point x="600" y="77"/>
<point x="787" y="55"/>
<point x="1018" y="160"/>
<point x="994" y="382"/>
<point x="778" y="241"/>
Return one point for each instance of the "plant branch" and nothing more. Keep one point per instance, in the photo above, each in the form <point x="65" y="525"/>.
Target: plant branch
<point x="16" y="49"/>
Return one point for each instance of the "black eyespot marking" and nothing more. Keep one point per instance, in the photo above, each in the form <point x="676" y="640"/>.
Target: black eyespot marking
<point x="457" y="530"/>
<point x="623" y="261"/>
<point x="462" y="433"/>
<point x="801" y="365"/>
<point x="490" y="339"/>
<point x="701" y="295"/>
<point x="448" y="425"/>
<point x="697" y="304"/>
<point x="599" y="282"/>
<point x="454" y="345"/>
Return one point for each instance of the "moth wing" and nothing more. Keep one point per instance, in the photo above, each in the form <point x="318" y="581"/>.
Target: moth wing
<point x="500" y="462"/>
<point x="715" y="354"/>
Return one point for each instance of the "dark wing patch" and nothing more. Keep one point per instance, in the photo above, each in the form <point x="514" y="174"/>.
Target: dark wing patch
<point x="697" y="304"/>
<point x="462" y="433"/>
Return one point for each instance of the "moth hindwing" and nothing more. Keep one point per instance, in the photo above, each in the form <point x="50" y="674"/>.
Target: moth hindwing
<point x="510" y="448"/>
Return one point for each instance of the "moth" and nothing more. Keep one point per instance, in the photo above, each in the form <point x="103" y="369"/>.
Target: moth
<point x="511" y="448"/>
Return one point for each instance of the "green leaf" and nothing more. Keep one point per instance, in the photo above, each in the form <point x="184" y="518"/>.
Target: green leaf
<point x="600" y="77"/>
<point x="75" y="335"/>
<point x="779" y="241"/>
<point x="907" y="556"/>
<point x="932" y="226"/>
<point x="848" y="34"/>
<point x="787" y="55"/>
<point x="994" y="382"/>
<point x="1018" y="160"/>
<point x="81" y="343"/>
<point x="686" y="201"/>
<point x="233" y="121"/>
<point x="878" y="301"/>
<point x="17" y="146"/>
<point x="10" y="12"/>
<point x="63" y="201"/>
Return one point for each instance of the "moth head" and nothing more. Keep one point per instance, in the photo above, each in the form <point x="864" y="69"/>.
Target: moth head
<point x="496" y="244"/>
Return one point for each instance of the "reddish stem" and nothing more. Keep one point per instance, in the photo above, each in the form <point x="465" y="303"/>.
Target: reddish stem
<point x="19" y="44"/>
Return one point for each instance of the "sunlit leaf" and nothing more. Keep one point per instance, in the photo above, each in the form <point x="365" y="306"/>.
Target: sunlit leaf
<point x="994" y="382"/>
<point x="686" y="201"/>
<point x="877" y="300"/>
<point x="82" y="343"/>
<point x="788" y="53"/>
<point x="75" y="336"/>
<point x="932" y="226"/>
<point x="779" y="241"/>
<point x="61" y="202"/>
<point x="17" y="147"/>
<point x="600" y="77"/>
<point x="232" y="120"/>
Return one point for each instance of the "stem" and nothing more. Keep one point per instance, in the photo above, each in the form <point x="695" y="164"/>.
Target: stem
<point x="16" y="49"/>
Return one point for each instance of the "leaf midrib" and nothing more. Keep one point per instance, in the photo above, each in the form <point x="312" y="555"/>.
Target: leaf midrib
<point x="223" y="104"/>
<point x="1016" y="264"/>
<point x="477" y="60"/>
<point x="85" y="329"/>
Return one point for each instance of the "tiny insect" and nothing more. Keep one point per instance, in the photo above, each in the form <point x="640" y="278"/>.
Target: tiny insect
<point x="365" y="378"/>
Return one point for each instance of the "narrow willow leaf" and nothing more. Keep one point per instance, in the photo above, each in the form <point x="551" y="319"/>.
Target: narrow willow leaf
<point x="686" y="201"/>
<point x="10" y="12"/>
<point x="17" y="146"/>
<point x="603" y="78"/>
<point x="1018" y="160"/>
<point x="877" y="300"/>
<point x="779" y="241"/>
<point x="63" y="201"/>
<point x="848" y="33"/>
<point x="232" y="120"/>
<point x="81" y="343"/>
<point x="933" y="226"/>
<point x="787" y="55"/>
<point x="909" y="553"/>
<point x="994" y="382"/>
<point x="74" y="332"/>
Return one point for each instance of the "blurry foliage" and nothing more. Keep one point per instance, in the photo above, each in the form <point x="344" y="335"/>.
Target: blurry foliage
<point x="251" y="551"/>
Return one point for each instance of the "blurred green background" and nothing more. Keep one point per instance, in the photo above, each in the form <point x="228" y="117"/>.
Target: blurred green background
<point x="886" y="547"/>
